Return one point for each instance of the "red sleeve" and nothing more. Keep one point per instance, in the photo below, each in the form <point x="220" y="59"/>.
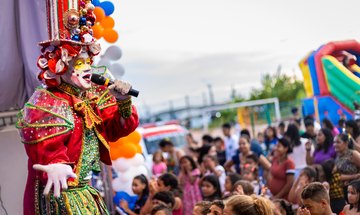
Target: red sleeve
<point x="52" y="150"/>
<point x="115" y="125"/>
<point x="290" y="167"/>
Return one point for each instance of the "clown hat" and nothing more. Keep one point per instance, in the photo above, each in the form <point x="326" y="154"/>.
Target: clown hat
<point x="69" y="21"/>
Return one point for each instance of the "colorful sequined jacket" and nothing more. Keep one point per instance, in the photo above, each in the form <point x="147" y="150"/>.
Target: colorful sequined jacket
<point x="52" y="125"/>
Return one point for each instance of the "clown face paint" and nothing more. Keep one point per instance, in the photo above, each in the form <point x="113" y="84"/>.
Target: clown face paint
<point x="79" y="72"/>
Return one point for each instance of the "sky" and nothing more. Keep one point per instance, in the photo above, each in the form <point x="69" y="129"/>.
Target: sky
<point x="172" y="49"/>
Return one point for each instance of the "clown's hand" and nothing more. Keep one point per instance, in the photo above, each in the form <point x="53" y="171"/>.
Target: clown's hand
<point x="120" y="89"/>
<point x="57" y="176"/>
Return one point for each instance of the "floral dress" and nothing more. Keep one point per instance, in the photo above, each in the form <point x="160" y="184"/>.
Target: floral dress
<point x="192" y="192"/>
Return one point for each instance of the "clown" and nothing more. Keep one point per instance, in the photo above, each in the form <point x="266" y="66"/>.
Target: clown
<point x="66" y="126"/>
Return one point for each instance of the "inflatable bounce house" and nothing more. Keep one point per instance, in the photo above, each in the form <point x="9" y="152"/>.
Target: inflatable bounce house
<point x="332" y="80"/>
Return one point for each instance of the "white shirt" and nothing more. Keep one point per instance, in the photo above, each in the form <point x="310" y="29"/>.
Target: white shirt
<point x="231" y="145"/>
<point x="299" y="154"/>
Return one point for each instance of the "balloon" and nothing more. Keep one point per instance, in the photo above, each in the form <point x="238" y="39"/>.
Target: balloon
<point x="95" y="2"/>
<point x="112" y="53"/>
<point x="121" y="164"/>
<point x="117" y="69"/>
<point x="98" y="31"/>
<point x="126" y="177"/>
<point x="128" y="150"/>
<point x="99" y="14"/>
<point x="104" y="62"/>
<point x="110" y="35"/>
<point x="138" y="147"/>
<point x="108" y="7"/>
<point x="137" y="160"/>
<point x="134" y="137"/>
<point x="107" y="22"/>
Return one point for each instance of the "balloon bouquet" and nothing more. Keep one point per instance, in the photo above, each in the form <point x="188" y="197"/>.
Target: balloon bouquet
<point x="127" y="162"/>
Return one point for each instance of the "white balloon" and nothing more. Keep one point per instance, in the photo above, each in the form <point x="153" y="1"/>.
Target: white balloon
<point x="137" y="160"/>
<point x="141" y="170"/>
<point x="126" y="176"/>
<point x="104" y="62"/>
<point x="112" y="53"/>
<point x="117" y="70"/>
<point x="121" y="164"/>
<point x="116" y="184"/>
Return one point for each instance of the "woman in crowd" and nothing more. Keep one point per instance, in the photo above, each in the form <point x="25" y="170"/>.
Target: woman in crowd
<point x="347" y="160"/>
<point x="324" y="148"/>
<point x="336" y="192"/>
<point x="239" y="159"/>
<point x="249" y="205"/>
<point x="298" y="154"/>
<point x="282" y="170"/>
<point x="210" y="188"/>
<point x="189" y="178"/>
<point x="270" y="139"/>
<point x="326" y="123"/>
<point x="352" y="128"/>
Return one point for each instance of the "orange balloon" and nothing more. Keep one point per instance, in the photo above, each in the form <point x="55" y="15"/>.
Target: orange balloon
<point x="107" y="22"/>
<point x="115" y="151"/>
<point x="99" y="14"/>
<point x="98" y="31"/>
<point x="128" y="150"/>
<point x="134" y="137"/>
<point x="138" y="148"/>
<point x="110" y="35"/>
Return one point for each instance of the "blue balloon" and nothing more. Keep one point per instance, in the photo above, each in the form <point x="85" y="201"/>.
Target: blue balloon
<point x="96" y="2"/>
<point x="125" y="196"/>
<point x="108" y="7"/>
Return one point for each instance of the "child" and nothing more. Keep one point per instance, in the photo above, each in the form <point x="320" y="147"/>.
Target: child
<point x="189" y="178"/>
<point x="216" y="208"/>
<point x="169" y="182"/>
<point x="210" y="188"/>
<point x="211" y="167"/>
<point x="230" y="180"/>
<point x="283" y="207"/>
<point x="243" y="187"/>
<point x="354" y="198"/>
<point x="161" y="210"/>
<point x="201" y="208"/>
<point x="250" y="174"/>
<point x="159" y="166"/>
<point x="140" y="187"/>
<point x="165" y="198"/>
<point x="306" y="176"/>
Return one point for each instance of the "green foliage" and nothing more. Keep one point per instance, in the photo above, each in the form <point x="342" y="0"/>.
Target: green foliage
<point x="287" y="88"/>
<point x="283" y="86"/>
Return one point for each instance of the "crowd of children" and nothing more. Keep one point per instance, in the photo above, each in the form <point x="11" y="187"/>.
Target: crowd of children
<point x="283" y="171"/>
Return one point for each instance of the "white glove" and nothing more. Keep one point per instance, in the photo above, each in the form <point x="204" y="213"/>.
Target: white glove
<point x="57" y="175"/>
<point x="120" y="89"/>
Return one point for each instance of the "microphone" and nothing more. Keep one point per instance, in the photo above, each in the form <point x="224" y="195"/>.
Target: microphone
<point x="101" y="80"/>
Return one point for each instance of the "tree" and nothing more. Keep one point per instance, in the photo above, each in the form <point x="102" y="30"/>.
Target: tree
<point x="283" y="86"/>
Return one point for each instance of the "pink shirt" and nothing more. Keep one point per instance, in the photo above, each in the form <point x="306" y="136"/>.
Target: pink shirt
<point x="159" y="168"/>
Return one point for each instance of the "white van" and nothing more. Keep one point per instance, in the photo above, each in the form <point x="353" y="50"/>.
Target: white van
<point x="154" y="133"/>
